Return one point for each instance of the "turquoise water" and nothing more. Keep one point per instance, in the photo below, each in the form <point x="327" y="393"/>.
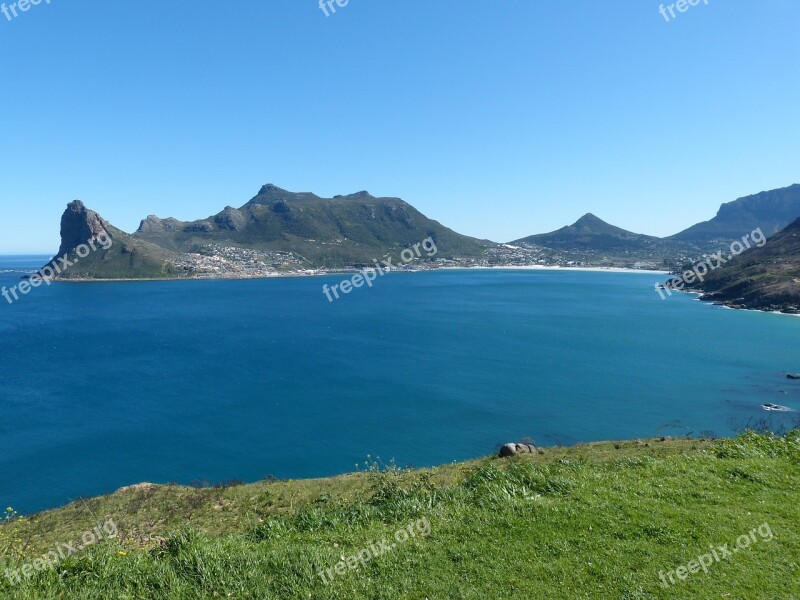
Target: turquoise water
<point x="107" y="384"/>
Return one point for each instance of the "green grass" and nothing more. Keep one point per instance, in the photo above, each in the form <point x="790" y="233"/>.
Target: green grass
<point x="592" y="521"/>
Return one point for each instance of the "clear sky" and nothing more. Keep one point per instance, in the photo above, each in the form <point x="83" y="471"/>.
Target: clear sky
<point x="500" y="119"/>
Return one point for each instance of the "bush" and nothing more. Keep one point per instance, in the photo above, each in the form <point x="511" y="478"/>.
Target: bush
<point x="760" y="445"/>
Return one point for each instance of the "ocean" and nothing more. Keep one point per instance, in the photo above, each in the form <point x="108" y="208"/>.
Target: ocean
<point x="109" y="384"/>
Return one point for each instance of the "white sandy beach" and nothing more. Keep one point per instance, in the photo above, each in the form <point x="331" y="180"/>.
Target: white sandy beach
<point x="557" y="268"/>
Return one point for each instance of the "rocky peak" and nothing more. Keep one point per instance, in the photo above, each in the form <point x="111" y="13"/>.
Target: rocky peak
<point x="589" y="220"/>
<point x="270" y="193"/>
<point x="271" y="190"/>
<point x="154" y="224"/>
<point x="79" y="225"/>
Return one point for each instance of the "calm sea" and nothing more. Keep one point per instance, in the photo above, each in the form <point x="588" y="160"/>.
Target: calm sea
<point x="108" y="384"/>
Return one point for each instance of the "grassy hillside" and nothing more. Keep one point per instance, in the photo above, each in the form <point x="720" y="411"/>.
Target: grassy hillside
<point x="593" y="521"/>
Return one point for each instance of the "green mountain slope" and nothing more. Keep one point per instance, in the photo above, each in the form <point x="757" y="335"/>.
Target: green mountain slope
<point x="591" y="232"/>
<point x="760" y="278"/>
<point x="345" y="230"/>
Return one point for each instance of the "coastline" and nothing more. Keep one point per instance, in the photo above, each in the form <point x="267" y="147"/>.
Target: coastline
<point x="347" y="272"/>
<point x="140" y="279"/>
<point x="559" y="268"/>
<point x="731" y="305"/>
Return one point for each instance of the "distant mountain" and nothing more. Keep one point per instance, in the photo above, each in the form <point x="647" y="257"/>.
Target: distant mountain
<point x="275" y="231"/>
<point x="771" y="211"/>
<point x="590" y="232"/>
<point x="281" y="231"/>
<point x="120" y="256"/>
<point x="761" y="278"/>
<point x="330" y="232"/>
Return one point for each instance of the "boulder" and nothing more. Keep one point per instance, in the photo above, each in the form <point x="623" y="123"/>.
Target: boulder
<point x="512" y="449"/>
<point x="139" y="487"/>
<point x="508" y="450"/>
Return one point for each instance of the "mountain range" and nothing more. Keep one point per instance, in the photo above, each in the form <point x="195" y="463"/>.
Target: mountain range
<point x="279" y="231"/>
<point x="328" y="232"/>
<point x="770" y="211"/>
<point x="275" y="231"/>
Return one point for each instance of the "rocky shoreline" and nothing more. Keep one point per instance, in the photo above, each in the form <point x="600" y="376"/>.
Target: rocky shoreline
<point x="787" y="306"/>
<point x="765" y="304"/>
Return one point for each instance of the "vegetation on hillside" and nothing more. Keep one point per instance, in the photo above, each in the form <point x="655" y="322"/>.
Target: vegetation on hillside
<point x="760" y="278"/>
<point x="327" y="232"/>
<point x="602" y="520"/>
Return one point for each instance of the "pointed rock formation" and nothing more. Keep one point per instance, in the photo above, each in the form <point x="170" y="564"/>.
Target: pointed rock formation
<point x="79" y="225"/>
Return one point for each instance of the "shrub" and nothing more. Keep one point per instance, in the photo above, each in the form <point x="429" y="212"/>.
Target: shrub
<point x="751" y="444"/>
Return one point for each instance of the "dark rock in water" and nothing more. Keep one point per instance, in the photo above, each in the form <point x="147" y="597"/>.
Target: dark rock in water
<point x="792" y="376"/>
<point x="775" y="407"/>
<point x="512" y="449"/>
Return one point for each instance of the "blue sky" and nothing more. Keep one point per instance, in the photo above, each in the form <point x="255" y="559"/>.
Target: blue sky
<point x="499" y="119"/>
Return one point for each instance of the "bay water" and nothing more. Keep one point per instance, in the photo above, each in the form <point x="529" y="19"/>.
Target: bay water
<point x="109" y="384"/>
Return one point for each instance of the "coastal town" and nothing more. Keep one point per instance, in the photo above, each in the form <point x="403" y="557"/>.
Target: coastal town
<point x="218" y="261"/>
<point x="230" y="262"/>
